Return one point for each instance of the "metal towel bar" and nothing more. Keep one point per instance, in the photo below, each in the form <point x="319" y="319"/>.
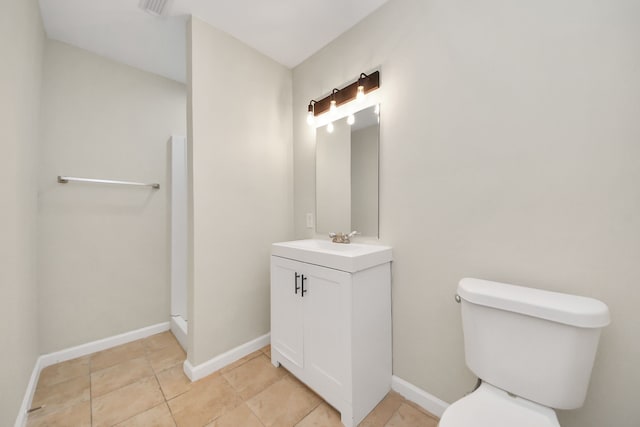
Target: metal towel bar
<point x="66" y="179"/>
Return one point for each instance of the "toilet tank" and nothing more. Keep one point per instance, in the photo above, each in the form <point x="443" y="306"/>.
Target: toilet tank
<point x="536" y="344"/>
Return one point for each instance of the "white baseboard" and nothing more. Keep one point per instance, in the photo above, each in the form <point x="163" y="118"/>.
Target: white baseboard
<point x="426" y="400"/>
<point x="103" y="344"/>
<point x="78" y="351"/>
<point x="179" y="329"/>
<point x="210" y="366"/>
<point x="21" y="419"/>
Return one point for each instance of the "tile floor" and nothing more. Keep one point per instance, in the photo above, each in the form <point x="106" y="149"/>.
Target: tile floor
<point x="142" y="384"/>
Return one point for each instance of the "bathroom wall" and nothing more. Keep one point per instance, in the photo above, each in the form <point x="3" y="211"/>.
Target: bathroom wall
<point x="241" y="201"/>
<point x="103" y="250"/>
<point x="509" y="151"/>
<point x="21" y="47"/>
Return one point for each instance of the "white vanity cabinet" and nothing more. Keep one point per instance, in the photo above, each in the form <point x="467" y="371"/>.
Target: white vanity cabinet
<point x="332" y="330"/>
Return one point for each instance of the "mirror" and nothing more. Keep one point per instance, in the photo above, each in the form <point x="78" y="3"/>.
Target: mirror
<point x="347" y="174"/>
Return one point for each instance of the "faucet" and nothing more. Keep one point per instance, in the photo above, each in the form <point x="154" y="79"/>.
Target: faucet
<point x="342" y="238"/>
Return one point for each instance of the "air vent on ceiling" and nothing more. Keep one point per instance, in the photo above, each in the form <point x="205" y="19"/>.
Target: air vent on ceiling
<point x="155" y="7"/>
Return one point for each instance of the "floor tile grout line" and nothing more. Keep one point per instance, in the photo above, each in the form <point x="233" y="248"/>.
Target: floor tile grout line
<point x="131" y="381"/>
<point x="179" y="394"/>
<point x="309" y="413"/>
<point x="235" y="367"/>
<point x="166" y="401"/>
<point x="386" y="421"/>
<point x="173" y="417"/>
<point x="154" y="375"/>
<point x="391" y="416"/>
<point x="254" y="414"/>
<point x="277" y="381"/>
<point x="243" y="401"/>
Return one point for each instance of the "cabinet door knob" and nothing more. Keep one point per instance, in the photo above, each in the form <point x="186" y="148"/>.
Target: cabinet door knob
<point x="304" y="291"/>
<point x="297" y="288"/>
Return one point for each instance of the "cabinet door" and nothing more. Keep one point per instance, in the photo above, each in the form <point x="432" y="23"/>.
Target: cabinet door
<point x="327" y="302"/>
<point x="286" y="309"/>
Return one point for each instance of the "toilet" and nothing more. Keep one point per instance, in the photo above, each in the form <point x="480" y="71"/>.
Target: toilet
<point x="533" y="351"/>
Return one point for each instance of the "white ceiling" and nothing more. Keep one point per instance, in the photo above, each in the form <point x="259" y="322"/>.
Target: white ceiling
<point x="289" y="31"/>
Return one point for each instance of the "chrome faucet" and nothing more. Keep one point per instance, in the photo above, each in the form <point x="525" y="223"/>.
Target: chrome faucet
<point x="342" y="238"/>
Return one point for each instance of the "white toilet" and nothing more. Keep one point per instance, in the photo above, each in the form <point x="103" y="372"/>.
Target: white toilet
<point x="532" y="349"/>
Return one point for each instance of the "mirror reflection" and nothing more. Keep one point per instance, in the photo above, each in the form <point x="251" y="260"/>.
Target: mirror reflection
<point x="347" y="174"/>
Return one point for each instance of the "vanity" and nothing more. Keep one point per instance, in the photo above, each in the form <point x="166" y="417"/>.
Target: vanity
<point x="331" y="321"/>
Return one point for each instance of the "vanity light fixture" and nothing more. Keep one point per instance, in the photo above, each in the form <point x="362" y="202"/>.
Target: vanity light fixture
<point x="360" y="90"/>
<point x="332" y="105"/>
<point x="310" y="116"/>
<point x="356" y="90"/>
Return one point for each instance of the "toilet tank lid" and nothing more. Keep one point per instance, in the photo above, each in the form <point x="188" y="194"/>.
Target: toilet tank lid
<point x="571" y="310"/>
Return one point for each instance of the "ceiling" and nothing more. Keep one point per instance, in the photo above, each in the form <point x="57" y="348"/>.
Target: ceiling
<point x="289" y="31"/>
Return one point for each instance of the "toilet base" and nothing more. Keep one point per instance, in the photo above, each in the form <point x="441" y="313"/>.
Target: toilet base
<point x="490" y="406"/>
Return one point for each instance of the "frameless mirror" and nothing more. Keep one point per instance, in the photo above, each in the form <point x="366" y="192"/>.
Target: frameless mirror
<point x="347" y="174"/>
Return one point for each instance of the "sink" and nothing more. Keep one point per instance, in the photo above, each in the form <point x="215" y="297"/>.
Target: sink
<point x="349" y="257"/>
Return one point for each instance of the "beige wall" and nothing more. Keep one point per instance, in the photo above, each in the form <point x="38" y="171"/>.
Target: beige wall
<point x="103" y="250"/>
<point x="241" y="182"/>
<point x="509" y="151"/>
<point x="21" y="47"/>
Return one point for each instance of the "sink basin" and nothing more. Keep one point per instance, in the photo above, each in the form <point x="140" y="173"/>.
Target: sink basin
<point x="349" y="257"/>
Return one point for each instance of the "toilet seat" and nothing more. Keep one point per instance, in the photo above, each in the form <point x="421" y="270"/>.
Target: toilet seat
<point x="489" y="406"/>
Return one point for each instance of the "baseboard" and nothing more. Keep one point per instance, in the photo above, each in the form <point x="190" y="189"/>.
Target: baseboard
<point x="78" y="351"/>
<point x="21" y="419"/>
<point x="210" y="366"/>
<point x="103" y="344"/>
<point x="179" y="330"/>
<point x="426" y="400"/>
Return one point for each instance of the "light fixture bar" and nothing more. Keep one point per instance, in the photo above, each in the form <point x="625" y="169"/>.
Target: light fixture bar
<point x="368" y="81"/>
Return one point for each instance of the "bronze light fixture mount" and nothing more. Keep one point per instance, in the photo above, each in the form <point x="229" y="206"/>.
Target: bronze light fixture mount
<point x="368" y="82"/>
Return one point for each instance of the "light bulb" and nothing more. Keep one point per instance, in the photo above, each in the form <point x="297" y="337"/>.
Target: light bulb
<point x="360" y="94"/>
<point x="351" y="119"/>
<point x="333" y="107"/>
<point x="330" y="127"/>
<point x="310" y="119"/>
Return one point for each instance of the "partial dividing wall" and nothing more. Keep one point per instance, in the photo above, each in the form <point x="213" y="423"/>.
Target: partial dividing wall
<point x="21" y="48"/>
<point x="103" y="250"/>
<point x="241" y="199"/>
<point x="509" y="151"/>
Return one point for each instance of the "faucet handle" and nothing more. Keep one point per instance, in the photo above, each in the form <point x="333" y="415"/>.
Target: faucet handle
<point x="353" y="233"/>
<point x="338" y="238"/>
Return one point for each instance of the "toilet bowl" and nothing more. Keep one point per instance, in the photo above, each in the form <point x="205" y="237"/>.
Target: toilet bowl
<point x="532" y="349"/>
<point x="489" y="406"/>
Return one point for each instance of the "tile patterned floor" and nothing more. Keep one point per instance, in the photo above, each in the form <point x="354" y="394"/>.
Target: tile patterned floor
<point x="142" y="384"/>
